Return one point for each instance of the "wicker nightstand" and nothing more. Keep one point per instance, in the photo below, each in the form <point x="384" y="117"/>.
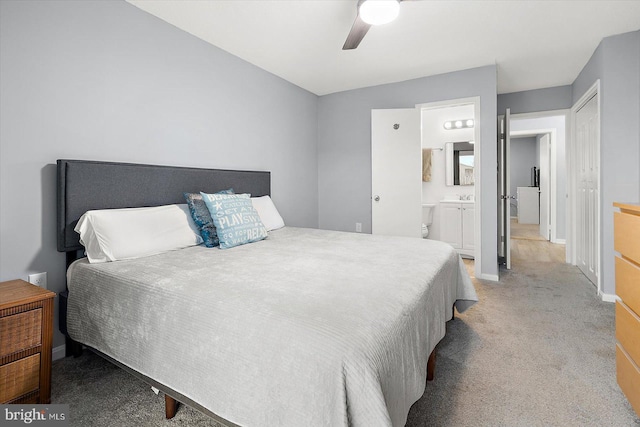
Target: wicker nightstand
<point x="26" y="328"/>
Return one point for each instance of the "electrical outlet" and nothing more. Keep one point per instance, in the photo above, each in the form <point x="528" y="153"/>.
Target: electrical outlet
<point x="358" y="227"/>
<point x="39" y="279"/>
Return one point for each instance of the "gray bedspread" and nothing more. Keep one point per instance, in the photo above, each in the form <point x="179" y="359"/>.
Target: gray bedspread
<point x="306" y="328"/>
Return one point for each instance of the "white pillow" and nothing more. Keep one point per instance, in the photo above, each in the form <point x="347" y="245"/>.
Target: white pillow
<point x="268" y="213"/>
<point x="115" y="234"/>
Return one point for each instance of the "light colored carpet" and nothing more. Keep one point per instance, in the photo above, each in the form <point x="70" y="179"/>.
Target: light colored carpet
<point x="538" y="350"/>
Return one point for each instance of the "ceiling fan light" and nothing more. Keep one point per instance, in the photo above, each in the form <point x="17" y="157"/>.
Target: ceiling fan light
<point x="379" y="12"/>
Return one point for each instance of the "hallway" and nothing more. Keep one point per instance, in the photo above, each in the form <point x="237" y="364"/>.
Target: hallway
<point x="538" y="349"/>
<point x="527" y="245"/>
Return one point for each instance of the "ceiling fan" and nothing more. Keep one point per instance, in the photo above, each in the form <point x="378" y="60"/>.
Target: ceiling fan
<point x="370" y="12"/>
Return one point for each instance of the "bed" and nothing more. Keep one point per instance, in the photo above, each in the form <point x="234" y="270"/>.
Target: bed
<point x="307" y="327"/>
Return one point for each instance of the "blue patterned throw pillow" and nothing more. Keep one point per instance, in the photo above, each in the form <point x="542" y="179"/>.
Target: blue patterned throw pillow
<point x="202" y="217"/>
<point x="236" y="220"/>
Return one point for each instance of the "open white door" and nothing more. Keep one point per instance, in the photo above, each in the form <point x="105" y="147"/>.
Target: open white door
<point x="504" y="185"/>
<point x="396" y="172"/>
<point x="545" y="188"/>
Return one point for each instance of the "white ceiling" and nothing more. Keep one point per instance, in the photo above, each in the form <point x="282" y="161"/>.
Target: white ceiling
<point x="535" y="44"/>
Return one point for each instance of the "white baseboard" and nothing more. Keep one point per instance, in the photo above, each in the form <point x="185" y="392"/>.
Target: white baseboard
<point x="58" y="352"/>
<point x="609" y="297"/>
<point x="560" y="241"/>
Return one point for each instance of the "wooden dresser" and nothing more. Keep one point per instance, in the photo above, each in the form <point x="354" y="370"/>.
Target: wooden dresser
<point x="627" y="244"/>
<point x="26" y="328"/>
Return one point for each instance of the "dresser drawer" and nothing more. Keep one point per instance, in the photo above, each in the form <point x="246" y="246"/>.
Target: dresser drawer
<point x="20" y="331"/>
<point x="628" y="330"/>
<point x="628" y="375"/>
<point x="19" y="377"/>
<point x="626" y="231"/>
<point x="628" y="284"/>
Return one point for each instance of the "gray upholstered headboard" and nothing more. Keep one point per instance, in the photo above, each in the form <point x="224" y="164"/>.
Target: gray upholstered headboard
<point x="86" y="185"/>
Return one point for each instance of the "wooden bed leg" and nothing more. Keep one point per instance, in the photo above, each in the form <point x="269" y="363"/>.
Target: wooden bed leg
<point x="431" y="365"/>
<point x="170" y="406"/>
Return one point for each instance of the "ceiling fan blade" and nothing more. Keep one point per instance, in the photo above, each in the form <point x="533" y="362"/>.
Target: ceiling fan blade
<point x="357" y="33"/>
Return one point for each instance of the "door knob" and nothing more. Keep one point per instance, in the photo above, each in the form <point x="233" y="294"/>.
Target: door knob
<point x="376" y="198"/>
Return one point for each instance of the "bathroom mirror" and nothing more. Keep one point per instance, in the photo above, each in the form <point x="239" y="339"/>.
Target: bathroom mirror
<point x="459" y="160"/>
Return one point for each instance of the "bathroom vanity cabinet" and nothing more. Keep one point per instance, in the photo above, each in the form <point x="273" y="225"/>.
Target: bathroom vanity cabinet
<point x="457" y="225"/>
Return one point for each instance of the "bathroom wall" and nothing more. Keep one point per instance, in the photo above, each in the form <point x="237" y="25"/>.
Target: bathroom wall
<point x="434" y="135"/>
<point x="523" y="157"/>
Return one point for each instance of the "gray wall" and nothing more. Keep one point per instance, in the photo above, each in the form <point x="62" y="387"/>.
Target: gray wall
<point x="344" y="147"/>
<point x="616" y="62"/>
<point x="523" y="158"/>
<point x="551" y="98"/>
<point x="104" y="80"/>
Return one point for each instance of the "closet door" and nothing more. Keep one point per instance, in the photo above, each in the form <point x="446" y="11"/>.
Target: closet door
<point x="587" y="169"/>
<point x="396" y="172"/>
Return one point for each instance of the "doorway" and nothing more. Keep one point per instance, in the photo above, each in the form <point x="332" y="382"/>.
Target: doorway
<point x="387" y="134"/>
<point x="544" y="135"/>
<point x="450" y="131"/>
<point x="531" y="181"/>
<point x="550" y="130"/>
